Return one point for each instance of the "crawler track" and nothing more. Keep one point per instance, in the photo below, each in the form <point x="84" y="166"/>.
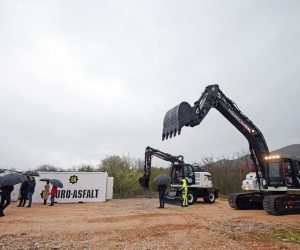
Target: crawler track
<point x="282" y="204"/>
<point x="246" y="200"/>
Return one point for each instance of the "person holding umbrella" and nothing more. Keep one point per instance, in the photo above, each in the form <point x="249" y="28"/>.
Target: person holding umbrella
<point x="161" y="193"/>
<point x="7" y="183"/>
<point x="30" y="189"/>
<point x="5" y="197"/>
<point x="55" y="184"/>
<point x="23" y="192"/>
<point x="53" y="194"/>
<point x="46" y="192"/>
<point x="162" y="181"/>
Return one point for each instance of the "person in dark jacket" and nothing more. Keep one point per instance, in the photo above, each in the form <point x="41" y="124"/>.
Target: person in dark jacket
<point x="23" y="192"/>
<point x="5" y="198"/>
<point x="161" y="192"/>
<point x="30" y="190"/>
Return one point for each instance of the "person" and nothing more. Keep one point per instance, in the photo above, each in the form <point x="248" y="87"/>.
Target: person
<point x="161" y="192"/>
<point x="30" y="190"/>
<point x="178" y="176"/>
<point x="5" y="198"/>
<point x="23" y="192"/>
<point x="53" y="194"/>
<point x="288" y="175"/>
<point x="184" y="193"/>
<point x="46" y="192"/>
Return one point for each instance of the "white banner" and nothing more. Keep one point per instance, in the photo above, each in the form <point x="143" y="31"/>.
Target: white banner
<point x="78" y="186"/>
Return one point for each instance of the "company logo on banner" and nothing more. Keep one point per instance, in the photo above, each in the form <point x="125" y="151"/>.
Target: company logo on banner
<point x="73" y="179"/>
<point x="80" y="193"/>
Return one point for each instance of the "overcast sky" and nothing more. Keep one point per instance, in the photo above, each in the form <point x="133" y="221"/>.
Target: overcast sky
<point x="83" y="80"/>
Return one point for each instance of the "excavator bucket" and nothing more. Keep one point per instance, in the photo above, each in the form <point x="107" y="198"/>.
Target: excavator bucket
<point x="144" y="181"/>
<point x="176" y="118"/>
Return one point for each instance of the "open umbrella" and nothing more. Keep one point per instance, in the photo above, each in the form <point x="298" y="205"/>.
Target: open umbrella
<point x="44" y="179"/>
<point x="31" y="173"/>
<point x="11" y="179"/>
<point x="57" y="183"/>
<point x="162" y="180"/>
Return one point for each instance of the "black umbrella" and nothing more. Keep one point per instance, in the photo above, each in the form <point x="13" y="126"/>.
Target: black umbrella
<point x="31" y="173"/>
<point x="57" y="183"/>
<point x="45" y="179"/>
<point x="162" y="180"/>
<point x="11" y="179"/>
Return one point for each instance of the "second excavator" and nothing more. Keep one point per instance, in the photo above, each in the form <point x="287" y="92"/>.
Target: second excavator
<point x="199" y="181"/>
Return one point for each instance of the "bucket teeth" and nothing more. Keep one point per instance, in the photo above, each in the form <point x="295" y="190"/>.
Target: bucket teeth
<point x="177" y="117"/>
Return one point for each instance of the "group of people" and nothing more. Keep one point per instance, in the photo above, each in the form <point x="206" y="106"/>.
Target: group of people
<point x="26" y="192"/>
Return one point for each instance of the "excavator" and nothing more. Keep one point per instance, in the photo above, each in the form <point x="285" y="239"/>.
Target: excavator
<point x="199" y="181"/>
<point x="275" y="184"/>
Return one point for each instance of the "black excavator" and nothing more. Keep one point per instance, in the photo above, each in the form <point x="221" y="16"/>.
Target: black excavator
<point x="275" y="186"/>
<point x="198" y="180"/>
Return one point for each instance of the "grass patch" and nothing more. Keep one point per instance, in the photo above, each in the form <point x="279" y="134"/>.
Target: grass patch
<point x="279" y="235"/>
<point x="288" y="235"/>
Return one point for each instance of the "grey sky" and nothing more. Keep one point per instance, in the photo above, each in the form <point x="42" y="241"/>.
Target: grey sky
<point x="81" y="80"/>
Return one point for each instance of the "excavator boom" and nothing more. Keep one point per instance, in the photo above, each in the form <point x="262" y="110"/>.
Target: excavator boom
<point x="149" y="152"/>
<point x="186" y="115"/>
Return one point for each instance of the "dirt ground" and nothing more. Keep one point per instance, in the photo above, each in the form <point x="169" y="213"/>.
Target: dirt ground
<point x="139" y="224"/>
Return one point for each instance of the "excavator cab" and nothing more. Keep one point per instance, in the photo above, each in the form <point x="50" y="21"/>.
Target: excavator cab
<point x="274" y="171"/>
<point x="181" y="171"/>
<point x="282" y="172"/>
<point x="292" y="173"/>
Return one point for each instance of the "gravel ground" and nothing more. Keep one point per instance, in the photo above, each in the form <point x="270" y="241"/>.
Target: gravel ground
<point x="139" y="224"/>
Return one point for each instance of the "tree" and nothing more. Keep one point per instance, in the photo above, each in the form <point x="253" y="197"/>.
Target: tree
<point x="227" y="174"/>
<point x="86" y="168"/>
<point x="125" y="175"/>
<point x="48" y="168"/>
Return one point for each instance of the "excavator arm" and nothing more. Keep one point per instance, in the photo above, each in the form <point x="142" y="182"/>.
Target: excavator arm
<point x="186" y="115"/>
<point x="149" y="152"/>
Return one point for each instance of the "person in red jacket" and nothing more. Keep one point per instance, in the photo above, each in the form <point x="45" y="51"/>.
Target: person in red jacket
<point x="52" y="195"/>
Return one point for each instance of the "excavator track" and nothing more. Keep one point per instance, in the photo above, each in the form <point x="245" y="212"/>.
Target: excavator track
<point x="243" y="201"/>
<point x="282" y="204"/>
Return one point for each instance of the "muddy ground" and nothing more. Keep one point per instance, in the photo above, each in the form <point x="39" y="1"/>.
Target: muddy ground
<point x="139" y="224"/>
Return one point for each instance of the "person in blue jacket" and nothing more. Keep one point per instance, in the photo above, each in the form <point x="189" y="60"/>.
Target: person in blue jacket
<point x="30" y="190"/>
